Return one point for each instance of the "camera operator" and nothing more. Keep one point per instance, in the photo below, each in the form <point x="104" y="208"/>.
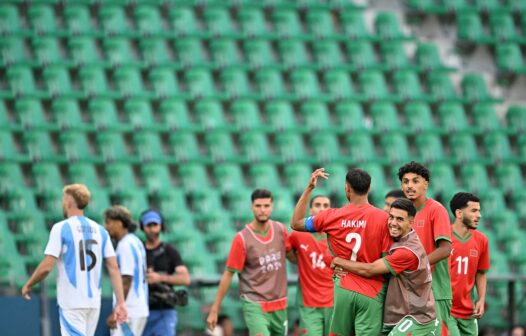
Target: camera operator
<point x="165" y="269"/>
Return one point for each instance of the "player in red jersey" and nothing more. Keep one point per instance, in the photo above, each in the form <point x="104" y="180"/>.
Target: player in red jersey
<point x="469" y="263"/>
<point x="392" y="196"/>
<point x="258" y="256"/>
<point x="431" y="223"/>
<point x="357" y="231"/>
<point x="315" y="297"/>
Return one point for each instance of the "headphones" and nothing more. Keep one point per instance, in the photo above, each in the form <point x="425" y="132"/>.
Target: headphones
<point x="141" y="218"/>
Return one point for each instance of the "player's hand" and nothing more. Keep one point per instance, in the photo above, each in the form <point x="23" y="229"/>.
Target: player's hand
<point x="153" y="277"/>
<point x="339" y="272"/>
<point x="479" y="309"/>
<point x="120" y="314"/>
<point x="25" y="291"/>
<point x="211" y="320"/>
<point x="111" y="322"/>
<point x="320" y="172"/>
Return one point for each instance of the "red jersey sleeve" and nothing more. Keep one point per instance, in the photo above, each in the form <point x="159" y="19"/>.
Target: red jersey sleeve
<point x="441" y="225"/>
<point x="288" y="244"/>
<point x="484" y="261"/>
<point x="237" y="255"/>
<point x="401" y="260"/>
<point x="387" y="241"/>
<point x="321" y="220"/>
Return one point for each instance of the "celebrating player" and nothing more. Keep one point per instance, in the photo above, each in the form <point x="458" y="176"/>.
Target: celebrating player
<point x="131" y="258"/>
<point x="357" y="231"/>
<point x="409" y="302"/>
<point x="392" y="196"/>
<point x="78" y="246"/>
<point x="431" y="223"/>
<point x="315" y="276"/>
<point x="258" y="256"/>
<point x="469" y="263"/>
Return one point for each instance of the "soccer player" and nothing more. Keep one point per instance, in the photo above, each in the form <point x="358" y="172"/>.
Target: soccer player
<point x="409" y="302"/>
<point x="315" y="276"/>
<point x="432" y="226"/>
<point x="131" y="258"/>
<point x="79" y="246"/>
<point x="469" y="263"/>
<point x="357" y="231"/>
<point x="392" y="196"/>
<point x="258" y="255"/>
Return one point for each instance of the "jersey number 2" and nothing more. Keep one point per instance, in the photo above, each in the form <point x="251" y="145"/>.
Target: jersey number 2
<point x="84" y="248"/>
<point x="349" y="238"/>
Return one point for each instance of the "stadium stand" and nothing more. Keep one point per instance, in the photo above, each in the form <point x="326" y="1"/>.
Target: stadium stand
<point x="189" y="105"/>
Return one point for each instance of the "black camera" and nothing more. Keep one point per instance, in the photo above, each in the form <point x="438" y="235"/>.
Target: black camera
<point x="165" y="294"/>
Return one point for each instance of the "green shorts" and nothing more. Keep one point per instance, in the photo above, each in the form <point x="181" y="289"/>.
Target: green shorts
<point x="355" y="314"/>
<point x="315" y="321"/>
<point x="264" y="324"/>
<point x="408" y="325"/>
<point x="464" y="327"/>
<point x="443" y="308"/>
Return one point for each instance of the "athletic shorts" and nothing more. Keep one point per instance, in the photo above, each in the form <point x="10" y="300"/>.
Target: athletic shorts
<point x="409" y="326"/>
<point x="443" y="309"/>
<point x="464" y="327"/>
<point x="78" y="321"/>
<point x="315" y="321"/>
<point x="355" y="314"/>
<point x="134" y="326"/>
<point x="260" y="323"/>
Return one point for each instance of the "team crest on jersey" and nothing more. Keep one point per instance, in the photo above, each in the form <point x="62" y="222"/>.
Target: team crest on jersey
<point x="473" y="253"/>
<point x="420" y="223"/>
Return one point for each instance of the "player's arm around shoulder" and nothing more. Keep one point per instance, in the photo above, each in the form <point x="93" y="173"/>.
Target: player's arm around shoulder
<point x="366" y="270"/>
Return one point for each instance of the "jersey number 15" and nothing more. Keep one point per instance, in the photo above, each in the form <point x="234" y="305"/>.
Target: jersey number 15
<point x="85" y="249"/>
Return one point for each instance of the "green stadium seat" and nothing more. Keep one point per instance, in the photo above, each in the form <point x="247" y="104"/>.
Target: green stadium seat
<point x="474" y="88"/>
<point x="128" y="82"/>
<point x="373" y="85"/>
<point x="22" y="82"/>
<point x="516" y="118"/>
<point x="255" y="147"/>
<point x="283" y="205"/>
<point x="245" y="114"/>
<point x="67" y="115"/>
<point x="77" y="20"/>
<point x="463" y="148"/>
<point x="21" y="201"/>
<point x="31" y="231"/>
<point x="338" y="84"/>
<point x="39" y="146"/>
<point x="221" y="147"/>
<point x="518" y="199"/>
<point x="218" y="227"/>
<point x="156" y="176"/>
<point x="293" y="53"/>
<point x="418" y="115"/>
<point x="252" y="21"/>
<point x="295" y="175"/>
<point x="174" y="113"/>
<point x="238" y="205"/>
<point x="118" y="51"/>
<point x="148" y="20"/>
<point x="93" y="82"/>
<point x="488" y="5"/>
<point x="474" y="176"/>
<point x="224" y="52"/>
<point x="429" y="147"/>
<point x="497" y="146"/>
<point x="333" y="185"/>
<point x="290" y="146"/>
<point x="10" y="20"/>
<point x="258" y="52"/>
<point x="395" y="147"/>
<point x="280" y="115"/>
<point x="47" y="50"/>
<point x="172" y="203"/>
<point x="470" y="28"/>
<point x="388" y="27"/>
<point x="304" y="83"/>
<point x="84" y="51"/>
<point x="315" y="116"/>
<point x="492" y="201"/>
<point x="149" y="147"/>
<point x="136" y="200"/>
<point x="104" y="116"/>
<point x="163" y="81"/>
<point x="443" y="178"/>
<point x="9" y="150"/>
<point x="217" y="21"/>
<point x="521" y="147"/>
<point x="30" y="114"/>
<point x="58" y="82"/>
<point x="139" y="114"/>
<point x="328" y="54"/>
<point x="394" y="55"/>
<point x="350" y="116"/>
<point x="199" y="82"/>
<point x="407" y="85"/>
<point x="485" y="117"/>
<point x="193" y="177"/>
<point x="209" y="113"/>
<point x="112" y="146"/>
<point x="508" y="58"/>
<point x="235" y="83"/>
<point x="269" y="83"/>
<point x="452" y="116"/>
<point x="440" y="86"/>
<point x="353" y="24"/>
<point x="41" y="19"/>
<point x="325" y="147"/>
<point x="11" y="178"/>
<point x="13" y="51"/>
<point x="384" y="116"/>
<point x="361" y="55"/>
<point x="99" y="201"/>
<point x="360" y="146"/>
<point x="502" y="27"/>
<point x="264" y="175"/>
<point x="379" y="184"/>
<point x="205" y="201"/>
<point x="506" y="225"/>
<point x="75" y="146"/>
<point x="320" y="22"/>
<point x="155" y="52"/>
<point x="185" y="146"/>
<point x="509" y="177"/>
<point x="120" y="177"/>
<point x="189" y="51"/>
<point x="228" y="177"/>
<point x="183" y="20"/>
<point x="516" y="6"/>
<point x="427" y="57"/>
<point x="46" y="177"/>
<point x="113" y="20"/>
<point x="84" y="173"/>
<point x="286" y="22"/>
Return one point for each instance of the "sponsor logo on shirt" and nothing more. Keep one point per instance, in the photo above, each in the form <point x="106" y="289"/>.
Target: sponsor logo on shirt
<point x="270" y="262"/>
<point x="473" y="253"/>
<point x="305" y="246"/>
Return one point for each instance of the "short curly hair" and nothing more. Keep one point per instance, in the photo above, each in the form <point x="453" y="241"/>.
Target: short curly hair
<point x="415" y="168"/>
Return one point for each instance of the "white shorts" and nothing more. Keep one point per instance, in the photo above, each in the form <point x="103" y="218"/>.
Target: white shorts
<point x="75" y="322"/>
<point x="135" y="325"/>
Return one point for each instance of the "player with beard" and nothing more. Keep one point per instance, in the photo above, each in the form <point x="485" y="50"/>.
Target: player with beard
<point x="258" y="255"/>
<point x="469" y="263"/>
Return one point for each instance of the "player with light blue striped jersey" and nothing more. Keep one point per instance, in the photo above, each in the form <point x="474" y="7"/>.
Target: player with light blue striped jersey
<point x="131" y="257"/>
<point x="79" y="246"/>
